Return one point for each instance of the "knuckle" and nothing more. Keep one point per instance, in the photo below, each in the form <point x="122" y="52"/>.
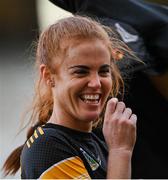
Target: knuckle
<point x="112" y="101"/>
<point x="123" y="121"/>
<point x="126" y="122"/>
<point x="121" y="103"/>
<point x="129" y="110"/>
<point x="115" y="117"/>
<point x="134" y="117"/>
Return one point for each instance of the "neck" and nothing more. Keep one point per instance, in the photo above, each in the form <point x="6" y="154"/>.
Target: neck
<point x="75" y="124"/>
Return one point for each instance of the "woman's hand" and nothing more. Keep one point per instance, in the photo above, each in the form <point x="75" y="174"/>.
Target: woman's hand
<point x="119" y="126"/>
<point x="119" y="130"/>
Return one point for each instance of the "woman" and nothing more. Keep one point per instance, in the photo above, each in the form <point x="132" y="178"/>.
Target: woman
<point x="76" y="59"/>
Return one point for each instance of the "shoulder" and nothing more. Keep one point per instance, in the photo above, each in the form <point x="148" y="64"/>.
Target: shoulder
<point x="46" y="147"/>
<point x="46" y="138"/>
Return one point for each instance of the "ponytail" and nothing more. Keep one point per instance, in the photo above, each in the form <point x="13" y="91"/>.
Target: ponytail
<point x="41" y="109"/>
<point x="12" y="163"/>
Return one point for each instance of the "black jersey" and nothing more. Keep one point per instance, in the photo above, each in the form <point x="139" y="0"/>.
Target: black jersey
<point x="54" y="151"/>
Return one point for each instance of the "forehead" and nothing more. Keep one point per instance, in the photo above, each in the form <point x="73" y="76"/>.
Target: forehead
<point x="87" y="49"/>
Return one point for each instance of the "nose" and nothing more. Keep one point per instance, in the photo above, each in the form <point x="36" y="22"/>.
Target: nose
<point x="94" y="81"/>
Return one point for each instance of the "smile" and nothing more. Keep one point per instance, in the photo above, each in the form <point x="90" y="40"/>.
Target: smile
<point x="90" y="98"/>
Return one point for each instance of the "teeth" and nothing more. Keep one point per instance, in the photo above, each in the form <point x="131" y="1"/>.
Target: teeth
<point x="91" y="101"/>
<point x="91" y="97"/>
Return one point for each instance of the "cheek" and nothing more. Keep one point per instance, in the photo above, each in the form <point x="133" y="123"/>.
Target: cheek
<point x="108" y="85"/>
<point x="65" y="90"/>
<point x="59" y="91"/>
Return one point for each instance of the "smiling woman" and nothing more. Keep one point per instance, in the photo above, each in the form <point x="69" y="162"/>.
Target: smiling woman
<point x="84" y="81"/>
<point x="76" y="61"/>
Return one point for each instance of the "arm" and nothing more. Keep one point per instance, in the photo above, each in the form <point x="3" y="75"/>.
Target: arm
<point x="119" y="130"/>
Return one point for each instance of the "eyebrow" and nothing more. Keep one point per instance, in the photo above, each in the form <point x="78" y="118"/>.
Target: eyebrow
<point x="86" y="67"/>
<point x="79" y="66"/>
<point x="105" y="66"/>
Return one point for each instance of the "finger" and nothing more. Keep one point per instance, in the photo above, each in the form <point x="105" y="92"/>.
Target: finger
<point x="133" y="118"/>
<point x="120" y="107"/>
<point x="127" y="113"/>
<point x="110" y="108"/>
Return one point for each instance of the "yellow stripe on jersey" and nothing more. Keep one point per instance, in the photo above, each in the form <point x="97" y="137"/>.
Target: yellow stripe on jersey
<point x="31" y="139"/>
<point x="71" y="168"/>
<point x="40" y="130"/>
<point x="35" y="134"/>
<point x="28" y="144"/>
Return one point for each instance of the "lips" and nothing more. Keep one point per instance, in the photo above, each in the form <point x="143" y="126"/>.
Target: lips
<point x="90" y="98"/>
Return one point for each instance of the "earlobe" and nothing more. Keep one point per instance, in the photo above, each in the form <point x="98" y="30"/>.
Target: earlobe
<point x="52" y="82"/>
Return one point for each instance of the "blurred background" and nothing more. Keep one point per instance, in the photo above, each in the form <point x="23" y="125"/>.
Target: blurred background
<point x="20" y="23"/>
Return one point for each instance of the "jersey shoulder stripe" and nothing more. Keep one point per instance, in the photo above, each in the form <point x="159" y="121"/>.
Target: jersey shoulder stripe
<point x="38" y="132"/>
<point x="70" y="168"/>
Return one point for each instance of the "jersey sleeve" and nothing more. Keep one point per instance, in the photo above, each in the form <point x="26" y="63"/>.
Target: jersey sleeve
<point x="49" y="156"/>
<point x="70" y="168"/>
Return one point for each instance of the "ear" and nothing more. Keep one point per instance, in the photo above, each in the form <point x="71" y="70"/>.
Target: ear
<point x="46" y="75"/>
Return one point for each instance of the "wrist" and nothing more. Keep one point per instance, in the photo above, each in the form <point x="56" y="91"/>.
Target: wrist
<point x="119" y="164"/>
<point x="120" y="151"/>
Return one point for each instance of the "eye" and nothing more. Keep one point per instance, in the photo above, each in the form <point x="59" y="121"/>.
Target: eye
<point x="80" y="72"/>
<point x="105" y="71"/>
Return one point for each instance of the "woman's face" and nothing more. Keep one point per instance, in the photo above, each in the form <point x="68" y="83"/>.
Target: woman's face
<point x="83" y="83"/>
